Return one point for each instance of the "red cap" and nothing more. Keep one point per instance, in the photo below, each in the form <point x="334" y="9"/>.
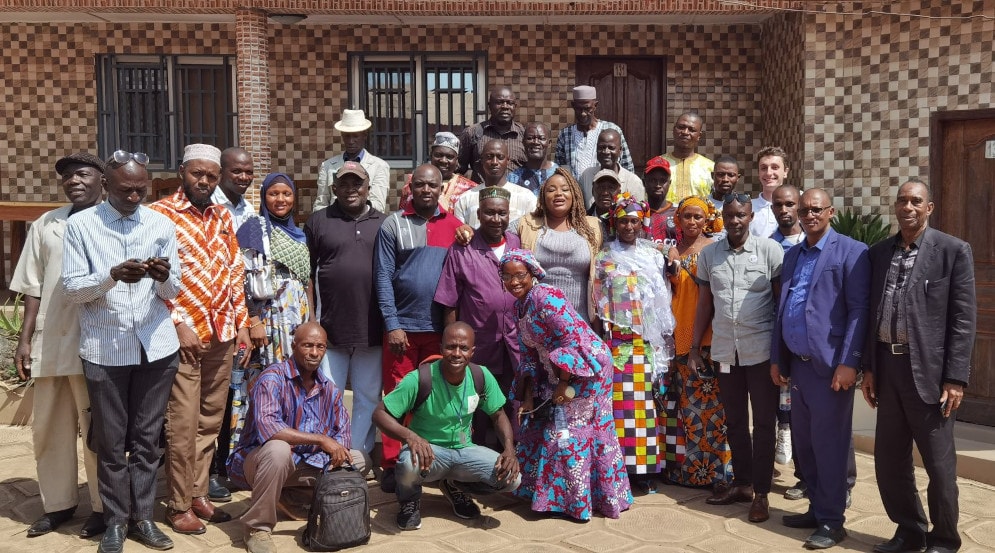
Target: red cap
<point x="657" y="162"/>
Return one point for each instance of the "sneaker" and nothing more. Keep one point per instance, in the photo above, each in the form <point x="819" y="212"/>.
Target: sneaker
<point x="260" y="541"/>
<point x="782" y="451"/>
<point x="388" y="483"/>
<point x="463" y="505"/>
<point x="409" y="517"/>
<point x="798" y="491"/>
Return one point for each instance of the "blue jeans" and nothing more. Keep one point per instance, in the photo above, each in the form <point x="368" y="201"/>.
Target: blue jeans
<point x="361" y="367"/>
<point x="471" y="469"/>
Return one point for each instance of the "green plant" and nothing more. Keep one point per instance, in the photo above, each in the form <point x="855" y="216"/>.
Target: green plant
<point x="868" y="228"/>
<point x="10" y="326"/>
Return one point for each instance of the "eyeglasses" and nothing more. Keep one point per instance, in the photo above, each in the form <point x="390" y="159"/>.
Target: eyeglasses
<point x="733" y="197"/>
<point x="508" y="277"/>
<point x="724" y="174"/>
<point x="805" y="211"/>
<point x="122" y="157"/>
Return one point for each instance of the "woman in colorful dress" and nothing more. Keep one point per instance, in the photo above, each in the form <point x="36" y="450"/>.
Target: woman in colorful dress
<point x="567" y="448"/>
<point x="633" y="299"/>
<point x="707" y="456"/>
<point x="565" y="240"/>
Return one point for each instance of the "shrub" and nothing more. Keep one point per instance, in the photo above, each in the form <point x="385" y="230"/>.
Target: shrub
<point x="868" y="228"/>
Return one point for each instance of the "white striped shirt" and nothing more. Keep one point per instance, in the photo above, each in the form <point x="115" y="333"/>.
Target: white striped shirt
<point x="117" y="319"/>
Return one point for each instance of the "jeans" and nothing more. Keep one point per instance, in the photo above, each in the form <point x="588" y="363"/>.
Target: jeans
<point x="361" y="367"/>
<point x="471" y="469"/>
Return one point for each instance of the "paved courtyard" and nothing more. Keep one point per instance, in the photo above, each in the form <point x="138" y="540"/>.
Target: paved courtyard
<point x="674" y="520"/>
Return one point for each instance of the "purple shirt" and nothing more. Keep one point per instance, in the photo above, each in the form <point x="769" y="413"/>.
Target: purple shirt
<point x="471" y="282"/>
<point x="279" y="401"/>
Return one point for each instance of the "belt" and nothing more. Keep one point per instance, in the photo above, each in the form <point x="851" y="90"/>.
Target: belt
<point x="896" y="349"/>
<point x="805" y="358"/>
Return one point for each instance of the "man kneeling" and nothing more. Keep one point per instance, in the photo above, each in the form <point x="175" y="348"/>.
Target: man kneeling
<point x="437" y="444"/>
<point x="296" y="424"/>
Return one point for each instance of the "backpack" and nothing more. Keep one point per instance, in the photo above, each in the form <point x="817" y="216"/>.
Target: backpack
<point x="340" y="511"/>
<point x="425" y="381"/>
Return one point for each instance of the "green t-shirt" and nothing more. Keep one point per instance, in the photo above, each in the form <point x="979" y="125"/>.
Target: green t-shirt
<point x="448" y="410"/>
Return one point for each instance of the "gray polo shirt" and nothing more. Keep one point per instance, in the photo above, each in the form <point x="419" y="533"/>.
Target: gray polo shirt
<point x="740" y="281"/>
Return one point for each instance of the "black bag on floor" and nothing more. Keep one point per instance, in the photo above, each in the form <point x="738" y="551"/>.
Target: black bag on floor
<point x="340" y="511"/>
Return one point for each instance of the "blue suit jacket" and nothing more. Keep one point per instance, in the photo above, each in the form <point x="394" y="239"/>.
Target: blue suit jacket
<point x="836" y="311"/>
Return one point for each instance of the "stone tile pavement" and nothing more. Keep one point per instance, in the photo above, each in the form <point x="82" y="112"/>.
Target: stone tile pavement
<point x="674" y="520"/>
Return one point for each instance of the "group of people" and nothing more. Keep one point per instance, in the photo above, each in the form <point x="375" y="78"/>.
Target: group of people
<point x="566" y="331"/>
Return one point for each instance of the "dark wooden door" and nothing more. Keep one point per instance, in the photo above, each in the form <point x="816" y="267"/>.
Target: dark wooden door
<point x="631" y="94"/>
<point x="963" y="182"/>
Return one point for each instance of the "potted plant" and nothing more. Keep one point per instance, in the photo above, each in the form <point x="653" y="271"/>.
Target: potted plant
<point x="868" y="228"/>
<point x="15" y="405"/>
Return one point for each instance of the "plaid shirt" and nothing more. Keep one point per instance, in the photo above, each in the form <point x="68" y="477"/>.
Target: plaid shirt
<point x="565" y="154"/>
<point x="212" y="285"/>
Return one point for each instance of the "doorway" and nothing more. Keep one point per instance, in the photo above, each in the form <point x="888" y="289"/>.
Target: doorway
<point x="962" y="176"/>
<point x="631" y="94"/>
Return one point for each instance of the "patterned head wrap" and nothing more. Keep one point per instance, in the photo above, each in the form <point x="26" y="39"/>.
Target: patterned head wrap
<point x="446" y="140"/>
<point x="527" y="258"/>
<point x="624" y="205"/>
<point x="713" y="219"/>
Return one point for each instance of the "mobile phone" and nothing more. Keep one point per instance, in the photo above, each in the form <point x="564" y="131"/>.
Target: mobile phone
<point x="943" y="406"/>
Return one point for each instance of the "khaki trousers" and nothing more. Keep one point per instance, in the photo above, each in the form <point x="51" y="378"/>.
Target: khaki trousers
<point x="61" y="412"/>
<point x="271" y="473"/>
<point x="193" y="419"/>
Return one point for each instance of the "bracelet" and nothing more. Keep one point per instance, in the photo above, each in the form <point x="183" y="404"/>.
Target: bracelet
<point x="260" y="323"/>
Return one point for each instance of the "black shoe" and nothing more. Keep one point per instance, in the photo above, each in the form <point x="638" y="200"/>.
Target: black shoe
<point x="49" y="522"/>
<point x="463" y="505"/>
<point x="113" y="540"/>
<point x="149" y="535"/>
<point x="804" y="520"/>
<point x="825" y="537"/>
<point x="216" y="492"/>
<point x="388" y="482"/>
<point x="94" y="526"/>
<point x="899" y="544"/>
<point x="409" y="515"/>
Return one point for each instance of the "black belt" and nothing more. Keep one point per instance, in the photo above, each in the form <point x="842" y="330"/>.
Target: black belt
<point x="896" y="349"/>
<point x="805" y="358"/>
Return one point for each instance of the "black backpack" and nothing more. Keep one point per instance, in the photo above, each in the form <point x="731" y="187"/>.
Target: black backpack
<point x="425" y="382"/>
<point x="340" y="511"/>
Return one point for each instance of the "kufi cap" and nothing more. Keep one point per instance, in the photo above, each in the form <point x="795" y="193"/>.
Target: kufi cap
<point x="83" y="158"/>
<point x="606" y="174"/>
<point x="352" y="168"/>
<point x="353" y="120"/>
<point x="202" y="151"/>
<point x="494" y="192"/>
<point x="658" y="162"/>
<point x="585" y="92"/>
<point x="446" y="140"/>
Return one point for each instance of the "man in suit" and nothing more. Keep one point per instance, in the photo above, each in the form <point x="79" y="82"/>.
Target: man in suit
<point x="922" y="329"/>
<point x="817" y="342"/>
<point x="355" y="129"/>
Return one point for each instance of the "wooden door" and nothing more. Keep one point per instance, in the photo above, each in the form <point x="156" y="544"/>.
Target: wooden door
<point x="962" y="177"/>
<point x="631" y="94"/>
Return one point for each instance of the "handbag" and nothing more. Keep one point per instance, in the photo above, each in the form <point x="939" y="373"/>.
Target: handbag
<point x="260" y="275"/>
<point x="340" y="511"/>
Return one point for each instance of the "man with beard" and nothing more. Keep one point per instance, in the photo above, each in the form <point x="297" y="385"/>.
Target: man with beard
<point x="773" y="168"/>
<point x="738" y="279"/>
<point x="355" y="129"/>
<point x="494" y="164"/>
<point x="341" y="238"/>
<point x="537" y="168"/>
<point x="236" y="177"/>
<point x="211" y="319"/>
<point x="609" y="152"/>
<point x="501" y="103"/>
<point x="577" y="144"/>
<point x="470" y="290"/>
<point x="410" y="250"/>
<point x="443" y="154"/>
<point x="437" y="446"/>
<point x="691" y="171"/>
<point x="48" y="352"/>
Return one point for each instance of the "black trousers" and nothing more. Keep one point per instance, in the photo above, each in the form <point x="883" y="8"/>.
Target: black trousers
<point x="903" y="418"/>
<point x="128" y="405"/>
<point x="752" y="459"/>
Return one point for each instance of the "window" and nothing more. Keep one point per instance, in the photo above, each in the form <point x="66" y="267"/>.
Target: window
<point x="159" y="104"/>
<point x="410" y="97"/>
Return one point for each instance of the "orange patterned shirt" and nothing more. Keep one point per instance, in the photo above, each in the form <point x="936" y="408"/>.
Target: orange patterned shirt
<point x="212" y="271"/>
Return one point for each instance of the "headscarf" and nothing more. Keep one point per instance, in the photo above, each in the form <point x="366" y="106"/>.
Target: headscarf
<point x="287" y="223"/>
<point x="527" y="258"/>
<point x="713" y="220"/>
<point x="624" y="205"/>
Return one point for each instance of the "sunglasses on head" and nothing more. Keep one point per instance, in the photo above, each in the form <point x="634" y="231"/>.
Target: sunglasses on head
<point x="733" y="197"/>
<point x="122" y="157"/>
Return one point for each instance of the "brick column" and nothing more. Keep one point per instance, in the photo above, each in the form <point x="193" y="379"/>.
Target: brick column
<point x="252" y="84"/>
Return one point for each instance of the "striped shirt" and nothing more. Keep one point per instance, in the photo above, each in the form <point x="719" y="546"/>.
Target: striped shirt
<point x="893" y="325"/>
<point x="577" y="150"/>
<point x="279" y="401"/>
<point x="119" y="320"/>
<point x="212" y="294"/>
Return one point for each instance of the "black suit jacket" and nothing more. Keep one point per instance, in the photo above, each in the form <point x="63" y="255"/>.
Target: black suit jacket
<point x="942" y="310"/>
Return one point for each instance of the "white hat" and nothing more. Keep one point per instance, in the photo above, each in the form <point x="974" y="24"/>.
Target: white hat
<point x="446" y="140"/>
<point x="585" y="92"/>
<point x="202" y="151"/>
<point x="353" y="120"/>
